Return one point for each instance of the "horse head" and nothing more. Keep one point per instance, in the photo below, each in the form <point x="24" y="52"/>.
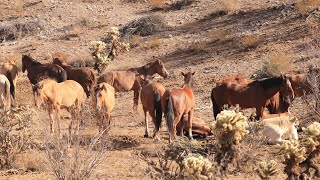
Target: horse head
<point x="161" y="70"/>
<point x="286" y="88"/>
<point x="99" y="93"/>
<point x="188" y="78"/>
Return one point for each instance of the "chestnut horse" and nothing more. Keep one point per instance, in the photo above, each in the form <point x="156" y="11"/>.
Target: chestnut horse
<point x="199" y="127"/>
<point x="38" y="71"/>
<point x="105" y="101"/>
<point x="277" y="104"/>
<point x="178" y="102"/>
<point x="68" y="94"/>
<point x="151" y="69"/>
<point x="83" y="75"/>
<point x="300" y="84"/>
<point x="5" y="100"/>
<point x="252" y="95"/>
<point x="151" y="95"/>
<point x="10" y="70"/>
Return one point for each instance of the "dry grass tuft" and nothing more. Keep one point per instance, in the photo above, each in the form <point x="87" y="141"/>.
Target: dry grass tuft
<point x="153" y="43"/>
<point x="251" y="41"/>
<point x="275" y="64"/>
<point x="304" y="7"/>
<point x="136" y="40"/>
<point x="230" y="6"/>
<point x="218" y="33"/>
<point x="198" y="47"/>
<point x="157" y="4"/>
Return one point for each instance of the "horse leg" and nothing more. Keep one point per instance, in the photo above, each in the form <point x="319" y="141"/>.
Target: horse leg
<point x="49" y="110"/>
<point x="58" y="119"/>
<point x="180" y="126"/>
<point x="190" y="123"/>
<point x="136" y="96"/>
<point x="175" y="123"/>
<point x="259" y="112"/>
<point x="156" y="128"/>
<point x="146" y="122"/>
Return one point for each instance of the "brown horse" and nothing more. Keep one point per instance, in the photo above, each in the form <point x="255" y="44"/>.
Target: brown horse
<point x="124" y="81"/>
<point x="151" y="69"/>
<point x="10" y="70"/>
<point x="68" y="94"/>
<point x="300" y="84"/>
<point x="199" y="127"/>
<point x="83" y="75"/>
<point x="277" y="104"/>
<point x="38" y="71"/>
<point x="151" y="102"/>
<point x="105" y="101"/>
<point x="178" y="102"/>
<point x="252" y="95"/>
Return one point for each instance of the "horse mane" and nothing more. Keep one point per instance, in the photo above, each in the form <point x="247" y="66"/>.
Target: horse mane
<point x="32" y="60"/>
<point x="269" y="82"/>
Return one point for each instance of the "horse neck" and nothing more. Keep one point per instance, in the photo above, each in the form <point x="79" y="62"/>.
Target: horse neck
<point x="271" y="86"/>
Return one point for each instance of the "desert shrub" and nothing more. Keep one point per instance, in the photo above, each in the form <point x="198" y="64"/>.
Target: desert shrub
<point x="180" y="4"/>
<point x="174" y="161"/>
<point x="144" y="26"/>
<point x="105" y="52"/>
<point x="198" y="47"/>
<point x="266" y="170"/>
<point x="230" y="129"/>
<point x="16" y="134"/>
<point x="69" y="160"/>
<point x="10" y="31"/>
<point x="274" y="64"/>
<point x="135" y="40"/>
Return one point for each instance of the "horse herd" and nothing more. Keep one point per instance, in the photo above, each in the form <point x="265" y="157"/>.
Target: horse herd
<point x="60" y="85"/>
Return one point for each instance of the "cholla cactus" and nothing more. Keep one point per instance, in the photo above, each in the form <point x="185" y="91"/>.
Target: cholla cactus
<point x="115" y="43"/>
<point x="313" y="136"/>
<point x="292" y="150"/>
<point x="232" y="123"/>
<point x="99" y="54"/>
<point x="198" y="168"/>
<point x="100" y="49"/>
<point x="267" y="169"/>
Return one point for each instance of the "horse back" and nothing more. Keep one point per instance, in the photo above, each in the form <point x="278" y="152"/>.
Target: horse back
<point x="122" y="81"/>
<point x="183" y="101"/>
<point x="148" y="92"/>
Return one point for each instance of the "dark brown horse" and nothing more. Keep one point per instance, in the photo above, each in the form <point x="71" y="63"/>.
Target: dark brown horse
<point x="151" y="95"/>
<point x="124" y="81"/>
<point x="178" y="102"/>
<point x="252" y="95"/>
<point x="151" y="69"/>
<point x="277" y="104"/>
<point x="83" y="75"/>
<point x="38" y="71"/>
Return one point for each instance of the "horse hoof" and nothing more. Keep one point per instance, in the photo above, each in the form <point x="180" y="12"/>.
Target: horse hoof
<point x="146" y="136"/>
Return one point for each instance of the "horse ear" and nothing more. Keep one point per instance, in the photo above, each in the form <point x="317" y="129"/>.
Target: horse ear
<point x="193" y="73"/>
<point x="182" y="73"/>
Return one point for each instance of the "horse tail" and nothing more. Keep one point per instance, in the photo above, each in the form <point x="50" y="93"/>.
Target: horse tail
<point x="158" y="109"/>
<point x="12" y="87"/>
<point x="215" y="106"/>
<point x="169" y="115"/>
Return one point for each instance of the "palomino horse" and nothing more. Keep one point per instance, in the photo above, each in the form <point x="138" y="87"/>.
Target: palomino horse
<point x="38" y="71"/>
<point x="10" y="70"/>
<point x="124" y="81"/>
<point x="68" y="95"/>
<point x="83" y="75"/>
<point x="178" y="102"/>
<point x="252" y="95"/>
<point x="5" y="100"/>
<point x="105" y="101"/>
<point x="277" y="104"/>
<point x="151" y="102"/>
<point x="151" y="68"/>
